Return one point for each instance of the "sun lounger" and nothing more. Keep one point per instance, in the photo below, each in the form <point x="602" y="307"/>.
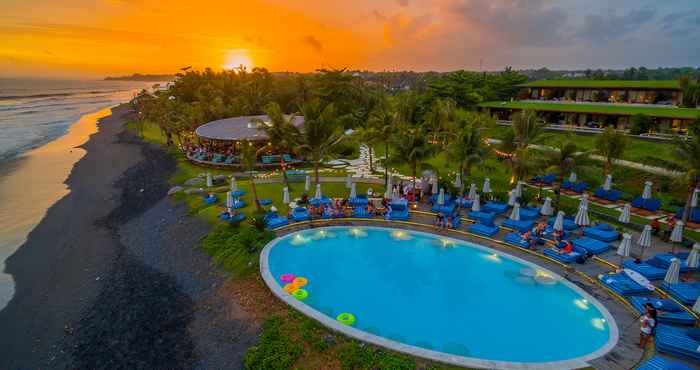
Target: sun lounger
<point x="300" y="214"/>
<point x="693" y="215"/>
<point x="483" y="217"/>
<point x="210" y="199"/>
<point x="647" y="270"/>
<point x="623" y="284"/>
<point x="399" y="211"/>
<point x="465" y="203"/>
<point x="522" y="225"/>
<point x="265" y="201"/>
<point x="433" y="198"/>
<point x="495" y="207"/>
<point x="238" y="193"/>
<point x="239" y="204"/>
<point x="273" y="220"/>
<point x="669" y="311"/>
<point x="663" y="260"/>
<point x="515" y="239"/>
<point x="548" y="234"/>
<point x="568" y="224"/>
<point x="456" y="221"/>
<point x="687" y="293"/>
<point x="529" y="213"/>
<point x="547" y="179"/>
<point x="676" y="341"/>
<point x="317" y="202"/>
<point x="602" y="232"/>
<point x="566" y="258"/>
<point x="361" y="212"/>
<point x="591" y="245"/>
<point x="447" y="208"/>
<point x="657" y="362"/>
<point x="360" y="200"/>
<point x="483" y="229"/>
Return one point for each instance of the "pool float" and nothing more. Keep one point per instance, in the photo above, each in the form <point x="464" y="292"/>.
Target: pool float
<point x="300" y="294"/>
<point x="290" y="288"/>
<point x="300" y="281"/>
<point x="346" y="318"/>
<point x="287" y="278"/>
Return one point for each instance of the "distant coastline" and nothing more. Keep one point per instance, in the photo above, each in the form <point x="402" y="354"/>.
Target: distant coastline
<point x="142" y="77"/>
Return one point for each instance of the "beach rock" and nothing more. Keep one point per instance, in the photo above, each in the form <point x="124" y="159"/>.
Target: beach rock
<point x="196" y="181"/>
<point x="194" y="191"/>
<point x="175" y="189"/>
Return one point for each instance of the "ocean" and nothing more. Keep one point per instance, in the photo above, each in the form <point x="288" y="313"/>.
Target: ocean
<point x="42" y="125"/>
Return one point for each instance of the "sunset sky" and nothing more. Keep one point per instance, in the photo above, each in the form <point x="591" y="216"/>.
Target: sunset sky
<point x="107" y="37"/>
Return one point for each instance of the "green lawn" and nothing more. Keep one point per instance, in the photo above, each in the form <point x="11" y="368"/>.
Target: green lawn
<point x="615" y="109"/>
<point x="601" y="84"/>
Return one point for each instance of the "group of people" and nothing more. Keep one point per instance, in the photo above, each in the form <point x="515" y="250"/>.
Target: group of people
<point x="343" y="208"/>
<point x="539" y="232"/>
<point x="666" y="234"/>
<point x="443" y="221"/>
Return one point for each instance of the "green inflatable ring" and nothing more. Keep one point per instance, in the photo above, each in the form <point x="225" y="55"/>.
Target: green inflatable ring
<point x="346" y="318"/>
<point x="300" y="294"/>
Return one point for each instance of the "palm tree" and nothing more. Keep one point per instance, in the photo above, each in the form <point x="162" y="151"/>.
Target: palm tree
<point x="249" y="157"/>
<point x="320" y="133"/>
<point x="687" y="157"/>
<point x="281" y="132"/>
<point x="466" y="145"/>
<point x="563" y="158"/>
<point x="413" y="148"/>
<point x="526" y="128"/>
<point x="611" y="145"/>
<point x="379" y="129"/>
<point x="515" y="145"/>
<point x="440" y="119"/>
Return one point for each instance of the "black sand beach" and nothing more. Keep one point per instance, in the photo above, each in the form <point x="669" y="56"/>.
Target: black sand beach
<point x="111" y="277"/>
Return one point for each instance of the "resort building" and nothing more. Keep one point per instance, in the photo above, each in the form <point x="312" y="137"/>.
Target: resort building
<point x="600" y="103"/>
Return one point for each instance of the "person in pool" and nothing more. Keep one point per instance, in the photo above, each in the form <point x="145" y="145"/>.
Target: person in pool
<point x="647" y="324"/>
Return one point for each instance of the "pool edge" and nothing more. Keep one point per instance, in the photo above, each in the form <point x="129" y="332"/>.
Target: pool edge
<point x="574" y="363"/>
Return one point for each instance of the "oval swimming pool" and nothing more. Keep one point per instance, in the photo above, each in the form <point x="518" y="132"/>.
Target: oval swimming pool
<point x="440" y="298"/>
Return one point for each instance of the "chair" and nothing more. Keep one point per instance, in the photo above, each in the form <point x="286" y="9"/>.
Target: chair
<point x="687" y="293"/>
<point x="516" y="240"/>
<point x="622" y="284"/>
<point x="273" y="220"/>
<point x="300" y="214"/>
<point x="602" y="232"/>
<point x="399" y="210"/>
<point x="522" y="225"/>
<point x="676" y="341"/>
<point x="562" y="257"/>
<point x="663" y="260"/>
<point x="568" y="223"/>
<point x="645" y="269"/>
<point x="495" y="207"/>
<point x="669" y="311"/>
<point x="483" y="217"/>
<point x="361" y="212"/>
<point x="592" y="246"/>
<point x="483" y="229"/>
<point x="659" y="363"/>
<point x="447" y="208"/>
<point x="529" y="213"/>
<point x="580" y="187"/>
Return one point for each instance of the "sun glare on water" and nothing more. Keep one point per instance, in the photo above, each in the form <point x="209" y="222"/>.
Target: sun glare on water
<point x="236" y="58"/>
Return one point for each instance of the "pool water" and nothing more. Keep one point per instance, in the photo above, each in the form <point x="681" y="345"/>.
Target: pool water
<point x="442" y="294"/>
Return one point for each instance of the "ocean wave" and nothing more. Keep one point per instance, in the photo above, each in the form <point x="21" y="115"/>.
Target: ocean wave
<point x="58" y="95"/>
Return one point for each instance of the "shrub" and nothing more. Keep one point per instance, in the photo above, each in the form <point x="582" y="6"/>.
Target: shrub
<point x="274" y="350"/>
<point x="235" y="248"/>
<point x="640" y="124"/>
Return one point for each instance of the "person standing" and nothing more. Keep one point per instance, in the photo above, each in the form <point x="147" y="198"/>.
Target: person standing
<point x="647" y="324"/>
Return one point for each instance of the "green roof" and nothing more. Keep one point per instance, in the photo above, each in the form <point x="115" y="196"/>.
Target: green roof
<point x="614" y="109"/>
<point x="606" y="84"/>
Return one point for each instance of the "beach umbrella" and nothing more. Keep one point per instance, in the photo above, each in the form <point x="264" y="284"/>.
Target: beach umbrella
<point x="229" y="200"/>
<point x="487" y="186"/>
<point x="441" y="197"/>
<point x="608" y="183"/>
<point x="353" y="191"/>
<point x="515" y="214"/>
<point x="512" y="198"/>
<point x="389" y="186"/>
<point x="318" y="194"/>
<point x="307" y="183"/>
<point x="472" y="190"/>
<point x="210" y="181"/>
<point x="273" y="209"/>
<point x="395" y="193"/>
<point x="584" y="201"/>
<point x="559" y="221"/>
<point x="694" y="198"/>
<point x="434" y="190"/>
<point x="476" y="206"/>
<point x="234" y="184"/>
<point x="546" y="209"/>
<point x="458" y="181"/>
<point x="644" y="240"/>
<point x="519" y="189"/>
<point x="623" y="250"/>
<point x="625" y="214"/>
<point x="573" y="177"/>
<point x="646" y="194"/>
<point x="424" y="184"/>
<point x="348" y="181"/>
<point x="285" y="195"/>
<point x="693" y="259"/>
<point x="677" y="232"/>
<point x="673" y="271"/>
<point x="581" y="218"/>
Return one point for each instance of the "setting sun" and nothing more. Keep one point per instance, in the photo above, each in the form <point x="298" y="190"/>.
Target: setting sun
<point x="237" y="58"/>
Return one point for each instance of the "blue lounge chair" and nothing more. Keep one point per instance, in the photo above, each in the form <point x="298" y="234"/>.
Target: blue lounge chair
<point x="358" y="201"/>
<point x="238" y="204"/>
<point x="566" y="185"/>
<point x="591" y="245"/>
<point x="399" y="210"/>
<point x="529" y="213"/>
<point x="300" y="214"/>
<point x="611" y="195"/>
<point x="522" y="225"/>
<point x="361" y="212"/>
<point x="568" y="224"/>
<point x="646" y="269"/>
<point x="495" y="207"/>
<point x="663" y="260"/>
<point x="456" y="221"/>
<point x="483" y="229"/>
<point x="676" y="341"/>
<point x="238" y="193"/>
<point x="602" y="232"/>
<point x="657" y="362"/>
<point x="651" y="204"/>
<point x="566" y="258"/>
<point x="623" y="284"/>
<point x="687" y="293"/>
<point x="317" y="202"/>
<point x="547" y="179"/>
<point x="465" y="203"/>
<point x="669" y="311"/>
<point x="516" y="240"/>
<point x="693" y="215"/>
<point x="483" y="217"/>
<point x="433" y="198"/>
<point x="238" y="217"/>
<point x="210" y="199"/>
<point x="265" y="201"/>
<point x="273" y="220"/>
<point x="580" y="187"/>
<point x="447" y="208"/>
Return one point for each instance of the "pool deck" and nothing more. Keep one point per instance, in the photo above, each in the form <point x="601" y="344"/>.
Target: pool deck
<point x="624" y="355"/>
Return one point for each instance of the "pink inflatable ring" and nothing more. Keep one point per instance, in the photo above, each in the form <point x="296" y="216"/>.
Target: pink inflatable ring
<point x="287" y="278"/>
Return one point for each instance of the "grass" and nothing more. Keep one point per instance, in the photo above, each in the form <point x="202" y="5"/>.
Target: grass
<point x="614" y="109"/>
<point x="622" y="84"/>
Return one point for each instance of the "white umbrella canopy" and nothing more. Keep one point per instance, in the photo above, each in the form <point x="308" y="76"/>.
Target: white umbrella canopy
<point x="512" y="197"/>
<point x="623" y="250"/>
<point x="318" y="194"/>
<point x="607" y="185"/>
<point x="458" y="181"/>
<point x="644" y="240"/>
<point x="559" y="222"/>
<point x="476" y="206"/>
<point x="472" y="191"/>
<point x="677" y="232"/>
<point x="573" y="177"/>
<point x="348" y="181"/>
<point x="584" y="201"/>
<point x="435" y="185"/>
<point x="441" y="197"/>
<point x="353" y="190"/>
<point x="519" y="189"/>
<point x="582" y="217"/>
<point x="285" y="195"/>
<point x="546" y="209"/>
<point x="307" y="183"/>
<point x="694" y="256"/>
<point x="625" y="214"/>
<point x="210" y="181"/>
<point x="694" y="198"/>
<point x="646" y="194"/>
<point x="229" y="200"/>
<point x="487" y="186"/>
<point x="673" y="271"/>
<point x="515" y="214"/>
<point x="234" y="184"/>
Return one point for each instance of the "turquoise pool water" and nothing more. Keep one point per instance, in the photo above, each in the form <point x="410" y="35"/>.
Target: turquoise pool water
<point x="442" y="294"/>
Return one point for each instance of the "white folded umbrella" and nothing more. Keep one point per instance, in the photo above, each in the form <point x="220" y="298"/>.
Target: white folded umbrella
<point x="441" y="197"/>
<point x="229" y="200"/>
<point x="646" y="194"/>
<point x="487" y="186"/>
<point x="644" y="240"/>
<point x="285" y="195"/>
<point x="559" y="222"/>
<point x="512" y="197"/>
<point x="476" y="206"/>
<point x="234" y="184"/>
<point x="389" y="187"/>
<point x="519" y="189"/>
<point x="307" y="183"/>
<point x="546" y="209"/>
<point x="694" y="198"/>
<point x="673" y="271"/>
<point x="458" y="181"/>
<point x="623" y="250"/>
<point x="573" y="177"/>
<point x="435" y="185"/>
<point x="348" y="181"/>
<point x="625" y="214"/>
<point x="693" y="259"/>
<point x="318" y="194"/>
<point x="353" y="190"/>
<point x="515" y="214"/>
<point x="677" y="232"/>
<point x="696" y="306"/>
<point x="472" y="191"/>
<point x="608" y="183"/>
<point x="584" y="201"/>
<point x="210" y="181"/>
<point x="582" y="217"/>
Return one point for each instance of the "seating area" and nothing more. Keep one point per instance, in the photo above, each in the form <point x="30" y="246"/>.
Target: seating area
<point x="547" y="179"/>
<point x="495" y="207"/>
<point x="522" y="225"/>
<point x="669" y="311"/>
<point x="602" y="232"/>
<point x="590" y="245"/>
<point x="529" y="213"/>
<point x="622" y="284"/>
<point x="693" y="216"/>
<point x="483" y="217"/>
<point x="568" y="223"/>
<point x="645" y="269"/>
<point x="398" y="210"/>
<point x="645" y="206"/>
<point x="516" y="239"/>
<point x="607" y="196"/>
<point x="568" y="187"/>
<point x="273" y="220"/>
<point x="488" y="230"/>
<point x="687" y="293"/>
<point x="678" y="341"/>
